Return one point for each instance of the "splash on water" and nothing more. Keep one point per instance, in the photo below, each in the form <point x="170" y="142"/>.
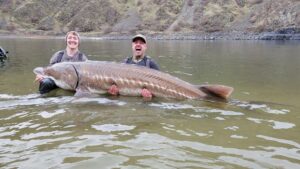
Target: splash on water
<point x="113" y="127"/>
<point x="273" y="123"/>
<point x="46" y="114"/>
<point x="257" y="106"/>
<point x="99" y="101"/>
<point x="178" y="106"/>
<point x="9" y="102"/>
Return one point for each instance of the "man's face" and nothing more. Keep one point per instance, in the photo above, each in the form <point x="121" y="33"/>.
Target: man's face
<point x="138" y="48"/>
<point x="72" y="41"/>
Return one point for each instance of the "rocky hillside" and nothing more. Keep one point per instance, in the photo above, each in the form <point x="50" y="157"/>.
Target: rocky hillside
<point x="102" y="17"/>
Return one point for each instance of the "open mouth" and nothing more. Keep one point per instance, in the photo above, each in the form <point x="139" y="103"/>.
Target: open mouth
<point x="72" y="43"/>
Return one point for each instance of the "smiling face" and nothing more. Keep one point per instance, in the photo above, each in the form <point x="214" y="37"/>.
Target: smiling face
<point x="139" y="48"/>
<point x="72" y="40"/>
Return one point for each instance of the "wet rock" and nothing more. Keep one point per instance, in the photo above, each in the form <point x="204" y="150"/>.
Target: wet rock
<point x="288" y="31"/>
<point x="291" y="33"/>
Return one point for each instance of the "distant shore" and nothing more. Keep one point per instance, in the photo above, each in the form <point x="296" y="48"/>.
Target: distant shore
<point x="212" y="36"/>
<point x="168" y="36"/>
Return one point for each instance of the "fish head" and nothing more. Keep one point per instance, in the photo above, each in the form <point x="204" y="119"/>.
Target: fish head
<point x="63" y="74"/>
<point x="39" y="71"/>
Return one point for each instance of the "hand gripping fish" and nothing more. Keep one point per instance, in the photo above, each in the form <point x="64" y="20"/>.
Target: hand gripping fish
<point x="96" y="77"/>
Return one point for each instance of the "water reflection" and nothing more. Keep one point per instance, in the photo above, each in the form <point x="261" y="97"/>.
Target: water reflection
<point x="257" y="128"/>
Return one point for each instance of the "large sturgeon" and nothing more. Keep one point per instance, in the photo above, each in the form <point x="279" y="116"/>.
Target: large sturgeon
<point x="95" y="77"/>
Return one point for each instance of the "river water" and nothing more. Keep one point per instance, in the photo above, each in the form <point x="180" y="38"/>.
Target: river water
<point x="257" y="128"/>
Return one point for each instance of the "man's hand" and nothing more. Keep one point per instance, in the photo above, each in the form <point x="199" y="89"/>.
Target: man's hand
<point x="146" y="93"/>
<point x="39" y="78"/>
<point x="113" y="90"/>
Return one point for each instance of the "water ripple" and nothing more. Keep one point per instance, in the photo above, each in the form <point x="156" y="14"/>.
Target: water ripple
<point x="68" y="132"/>
<point x="178" y="106"/>
<point x="283" y="141"/>
<point x="169" y="150"/>
<point x="112" y="127"/>
<point x="276" y="124"/>
<point x="256" y="106"/>
<point x="46" y="114"/>
<point x="43" y="134"/>
<point x="19" y="101"/>
<point x="99" y="101"/>
<point x="10" y="102"/>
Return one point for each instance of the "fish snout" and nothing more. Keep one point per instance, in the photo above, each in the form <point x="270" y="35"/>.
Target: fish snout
<point x="38" y="71"/>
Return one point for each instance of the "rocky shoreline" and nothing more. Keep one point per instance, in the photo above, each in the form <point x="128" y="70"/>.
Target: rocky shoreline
<point x="287" y="34"/>
<point x="212" y="36"/>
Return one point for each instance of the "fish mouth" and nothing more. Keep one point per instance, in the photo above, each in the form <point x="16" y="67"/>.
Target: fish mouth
<point x="38" y="71"/>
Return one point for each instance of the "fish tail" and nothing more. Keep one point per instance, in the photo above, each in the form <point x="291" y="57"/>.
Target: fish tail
<point x="216" y="90"/>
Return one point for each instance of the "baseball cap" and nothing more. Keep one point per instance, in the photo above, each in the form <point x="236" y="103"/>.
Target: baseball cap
<point x="139" y="36"/>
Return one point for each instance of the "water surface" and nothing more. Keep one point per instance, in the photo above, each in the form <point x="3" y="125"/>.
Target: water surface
<point x="257" y="128"/>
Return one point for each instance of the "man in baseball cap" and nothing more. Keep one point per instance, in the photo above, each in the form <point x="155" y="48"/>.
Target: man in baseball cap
<point x="139" y="58"/>
<point x="139" y="36"/>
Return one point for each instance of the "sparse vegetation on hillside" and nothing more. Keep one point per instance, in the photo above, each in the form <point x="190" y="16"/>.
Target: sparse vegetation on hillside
<point x="150" y="16"/>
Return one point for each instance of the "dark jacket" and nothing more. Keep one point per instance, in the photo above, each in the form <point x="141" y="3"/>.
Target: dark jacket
<point x="61" y="56"/>
<point x="146" y="61"/>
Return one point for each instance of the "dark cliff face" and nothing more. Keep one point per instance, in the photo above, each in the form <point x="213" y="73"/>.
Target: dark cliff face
<point x="149" y="16"/>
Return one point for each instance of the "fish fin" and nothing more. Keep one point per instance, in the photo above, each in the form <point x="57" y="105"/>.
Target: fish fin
<point x="220" y="91"/>
<point x="83" y="93"/>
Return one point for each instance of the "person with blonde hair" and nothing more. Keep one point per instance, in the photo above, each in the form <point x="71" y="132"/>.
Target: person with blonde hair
<point x="70" y="54"/>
